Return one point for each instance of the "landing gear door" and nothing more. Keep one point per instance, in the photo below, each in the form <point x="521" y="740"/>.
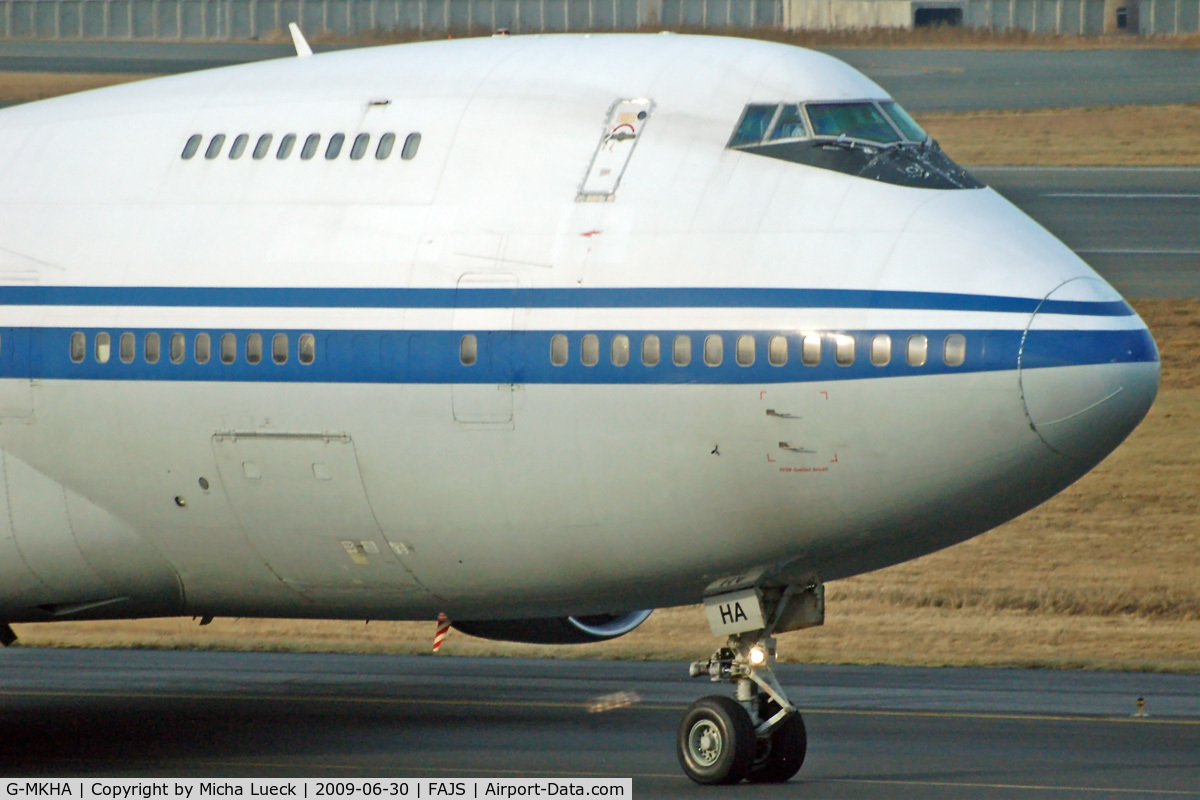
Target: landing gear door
<point x="624" y="125"/>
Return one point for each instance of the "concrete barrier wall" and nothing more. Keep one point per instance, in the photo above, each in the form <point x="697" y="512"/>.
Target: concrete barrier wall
<point x="166" y="20"/>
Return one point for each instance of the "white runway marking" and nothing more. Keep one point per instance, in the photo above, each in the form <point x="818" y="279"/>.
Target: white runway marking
<point x="1128" y="195"/>
<point x="1122" y="251"/>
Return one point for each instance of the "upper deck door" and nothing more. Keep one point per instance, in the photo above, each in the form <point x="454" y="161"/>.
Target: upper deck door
<point x="624" y="125"/>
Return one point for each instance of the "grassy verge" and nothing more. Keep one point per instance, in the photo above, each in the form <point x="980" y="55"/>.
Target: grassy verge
<point x="1165" y="135"/>
<point x="1101" y="577"/>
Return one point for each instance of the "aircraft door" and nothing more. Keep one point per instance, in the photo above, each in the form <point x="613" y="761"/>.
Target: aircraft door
<point x="624" y="125"/>
<point x="16" y="392"/>
<point x="485" y="307"/>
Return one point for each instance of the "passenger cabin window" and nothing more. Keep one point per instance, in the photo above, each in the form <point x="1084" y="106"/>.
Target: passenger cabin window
<point x="307" y="349"/>
<point x="239" y="146"/>
<point x="262" y="147"/>
<point x="411" y="143"/>
<point x="203" y="348"/>
<point x="193" y="144"/>
<point x="214" y="146"/>
<point x="954" y="351"/>
<point x="254" y="348"/>
<point x="810" y="349"/>
<point x="103" y="347"/>
<point x="78" y="347"/>
<point x="681" y="351"/>
<point x="619" y="350"/>
<point x="127" y="348"/>
<point x="558" y="350"/>
<point x="714" y="350"/>
<point x="279" y="348"/>
<point x="335" y="146"/>
<point x="843" y="349"/>
<point x="917" y="350"/>
<point x="310" y="146"/>
<point x="589" y="350"/>
<point x="745" y="351"/>
<point x="468" y="350"/>
<point x="285" y="146"/>
<point x="359" y="148"/>
<point x="881" y="349"/>
<point x="777" y="351"/>
<point x="228" y="348"/>
<point x="177" y="348"/>
<point x="152" y="348"/>
<point x="384" y="148"/>
<point x="651" y="350"/>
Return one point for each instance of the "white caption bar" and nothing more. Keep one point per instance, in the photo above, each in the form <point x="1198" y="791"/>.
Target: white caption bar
<point x="310" y="788"/>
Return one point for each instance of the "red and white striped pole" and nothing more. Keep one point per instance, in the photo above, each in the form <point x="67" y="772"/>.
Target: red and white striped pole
<point x="442" y="629"/>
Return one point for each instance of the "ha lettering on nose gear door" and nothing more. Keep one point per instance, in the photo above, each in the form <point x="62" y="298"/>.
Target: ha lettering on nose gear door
<point x="624" y="125"/>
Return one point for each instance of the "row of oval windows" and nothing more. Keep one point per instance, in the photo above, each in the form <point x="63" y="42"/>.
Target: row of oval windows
<point x="306" y="350"/>
<point x="312" y="143"/>
<point x="916" y="350"/>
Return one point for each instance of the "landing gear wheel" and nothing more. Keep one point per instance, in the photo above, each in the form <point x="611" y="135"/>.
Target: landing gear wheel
<point x="779" y="755"/>
<point x="716" y="741"/>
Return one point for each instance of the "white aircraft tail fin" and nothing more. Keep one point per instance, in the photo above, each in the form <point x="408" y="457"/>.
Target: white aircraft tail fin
<point x="301" y="44"/>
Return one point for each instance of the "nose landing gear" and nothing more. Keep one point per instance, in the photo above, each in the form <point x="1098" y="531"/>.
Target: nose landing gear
<point x="759" y="736"/>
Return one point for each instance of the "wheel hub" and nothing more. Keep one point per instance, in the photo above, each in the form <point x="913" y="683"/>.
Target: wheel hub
<point x="705" y="743"/>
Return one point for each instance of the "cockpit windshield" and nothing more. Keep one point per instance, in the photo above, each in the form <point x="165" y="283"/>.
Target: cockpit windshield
<point x="853" y="120"/>
<point x="867" y="138"/>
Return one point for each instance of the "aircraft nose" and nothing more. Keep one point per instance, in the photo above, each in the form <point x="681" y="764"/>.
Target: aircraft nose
<point x="1089" y="370"/>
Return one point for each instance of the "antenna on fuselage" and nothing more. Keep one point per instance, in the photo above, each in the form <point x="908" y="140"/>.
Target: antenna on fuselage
<point x="298" y="40"/>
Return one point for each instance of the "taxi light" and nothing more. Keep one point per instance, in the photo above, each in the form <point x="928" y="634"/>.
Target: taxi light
<point x="757" y="655"/>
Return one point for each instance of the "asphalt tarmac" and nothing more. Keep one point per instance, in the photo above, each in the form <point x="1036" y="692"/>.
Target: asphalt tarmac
<point x="1137" y="227"/>
<point x="922" y="80"/>
<point x="874" y="732"/>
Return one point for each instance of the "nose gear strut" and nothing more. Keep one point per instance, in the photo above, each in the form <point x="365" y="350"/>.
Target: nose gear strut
<point x="760" y="736"/>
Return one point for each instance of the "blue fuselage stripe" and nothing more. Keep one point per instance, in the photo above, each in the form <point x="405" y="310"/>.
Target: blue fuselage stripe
<point x="524" y="357"/>
<point x="544" y="298"/>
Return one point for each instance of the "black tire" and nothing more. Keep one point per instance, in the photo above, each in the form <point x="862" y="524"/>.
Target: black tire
<point x="715" y="743"/>
<point x="779" y="756"/>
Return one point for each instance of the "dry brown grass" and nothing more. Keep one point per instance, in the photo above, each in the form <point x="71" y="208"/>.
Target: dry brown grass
<point x="1166" y="135"/>
<point x="1104" y="576"/>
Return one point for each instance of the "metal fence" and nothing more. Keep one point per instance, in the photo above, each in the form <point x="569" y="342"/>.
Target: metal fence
<point x="165" y="20"/>
<point x="251" y="19"/>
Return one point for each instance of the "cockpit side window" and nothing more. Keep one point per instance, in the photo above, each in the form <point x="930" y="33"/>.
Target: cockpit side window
<point x="756" y="121"/>
<point x="852" y="120"/>
<point x="790" y="124"/>
<point x="907" y="125"/>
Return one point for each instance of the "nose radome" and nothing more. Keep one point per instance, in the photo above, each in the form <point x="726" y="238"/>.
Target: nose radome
<point x="1089" y="369"/>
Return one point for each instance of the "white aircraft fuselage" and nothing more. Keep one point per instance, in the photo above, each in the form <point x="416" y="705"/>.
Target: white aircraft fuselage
<point x="372" y="385"/>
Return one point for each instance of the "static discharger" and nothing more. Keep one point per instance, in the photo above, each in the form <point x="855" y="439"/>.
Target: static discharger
<point x="443" y="628"/>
